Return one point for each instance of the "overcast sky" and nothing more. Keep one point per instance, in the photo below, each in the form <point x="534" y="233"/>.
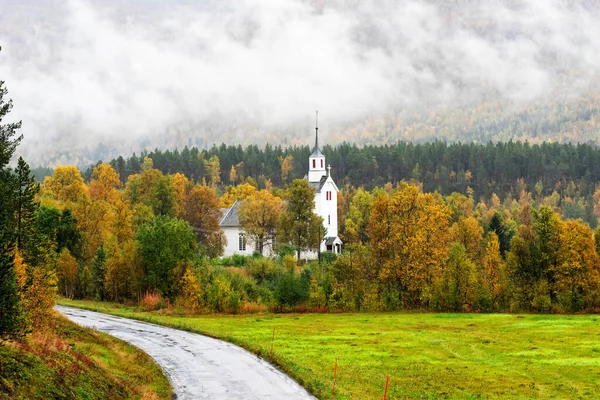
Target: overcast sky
<point x="128" y="73"/>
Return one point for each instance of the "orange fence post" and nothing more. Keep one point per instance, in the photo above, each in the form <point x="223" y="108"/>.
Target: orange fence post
<point x="387" y="381"/>
<point x="334" y="379"/>
<point x="272" y="340"/>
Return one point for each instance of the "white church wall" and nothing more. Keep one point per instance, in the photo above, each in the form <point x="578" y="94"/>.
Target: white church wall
<point x="232" y="234"/>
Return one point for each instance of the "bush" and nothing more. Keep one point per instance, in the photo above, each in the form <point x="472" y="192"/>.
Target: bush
<point x="233" y="302"/>
<point x="152" y="301"/>
<point x="291" y="289"/>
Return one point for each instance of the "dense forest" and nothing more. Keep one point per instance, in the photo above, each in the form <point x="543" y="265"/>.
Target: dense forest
<point x="156" y="240"/>
<point x="565" y="174"/>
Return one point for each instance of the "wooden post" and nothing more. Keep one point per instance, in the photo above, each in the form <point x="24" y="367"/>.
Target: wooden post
<point x="334" y="379"/>
<point x="272" y="340"/>
<point x="387" y="381"/>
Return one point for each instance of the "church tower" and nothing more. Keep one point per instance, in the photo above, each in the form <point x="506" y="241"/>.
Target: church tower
<point x="316" y="161"/>
<point x="319" y="177"/>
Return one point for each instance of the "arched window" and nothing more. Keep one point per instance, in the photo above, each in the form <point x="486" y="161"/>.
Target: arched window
<point x="321" y="163"/>
<point x="242" y="242"/>
<point x="314" y="163"/>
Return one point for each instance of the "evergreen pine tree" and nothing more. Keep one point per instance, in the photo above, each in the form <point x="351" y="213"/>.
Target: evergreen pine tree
<point x="10" y="312"/>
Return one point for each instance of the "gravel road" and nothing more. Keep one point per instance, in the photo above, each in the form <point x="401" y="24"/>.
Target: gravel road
<point x="198" y="367"/>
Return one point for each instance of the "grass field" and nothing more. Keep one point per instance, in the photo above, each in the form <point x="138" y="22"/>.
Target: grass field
<point x="65" y="361"/>
<point x="427" y="356"/>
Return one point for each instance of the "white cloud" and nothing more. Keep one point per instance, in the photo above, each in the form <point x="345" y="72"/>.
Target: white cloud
<point x="121" y="73"/>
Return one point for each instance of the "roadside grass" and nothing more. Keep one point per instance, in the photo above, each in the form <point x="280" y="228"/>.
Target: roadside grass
<point x="64" y="361"/>
<point x="426" y="356"/>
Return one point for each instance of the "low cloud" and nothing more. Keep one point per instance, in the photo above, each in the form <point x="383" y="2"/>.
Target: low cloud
<point x="137" y="73"/>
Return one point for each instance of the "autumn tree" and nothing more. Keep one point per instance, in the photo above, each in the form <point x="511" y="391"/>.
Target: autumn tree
<point x="65" y="185"/>
<point x="239" y="192"/>
<point x="202" y="212"/>
<point x="409" y="241"/>
<point x="66" y="269"/>
<point x="576" y="273"/>
<point x="492" y="273"/>
<point x="357" y="218"/>
<point x="104" y="183"/>
<point x="212" y="167"/>
<point x="300" y="226"/>
<point x="286" y="167"/>
<point x="259" y="216"/>
<point x="191" y="293"/>
<point x="469" y="233"/>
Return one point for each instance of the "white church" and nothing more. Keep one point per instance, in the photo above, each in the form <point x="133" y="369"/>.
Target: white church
<point x="326" y="193"/>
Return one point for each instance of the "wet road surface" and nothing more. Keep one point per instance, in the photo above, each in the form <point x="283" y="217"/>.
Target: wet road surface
<point x="198" y="367"/>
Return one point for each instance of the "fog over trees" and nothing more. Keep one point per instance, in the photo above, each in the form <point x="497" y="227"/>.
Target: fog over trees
<point x="97" y="79"/>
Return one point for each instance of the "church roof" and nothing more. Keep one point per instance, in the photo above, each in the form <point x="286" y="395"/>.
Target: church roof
<point x="230" y="215"/>
<point x="319" y="185"/>
<point x="316" y="152"/>
<point x="333" y="240"/>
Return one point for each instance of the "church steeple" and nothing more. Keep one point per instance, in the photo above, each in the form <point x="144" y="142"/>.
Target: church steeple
<point x="317" y="131"/>
<point x="317" y="150"/>
<point x="316" y="162"/>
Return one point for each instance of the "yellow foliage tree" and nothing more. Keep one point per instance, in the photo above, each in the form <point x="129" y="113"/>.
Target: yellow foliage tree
<point x="122" y="276"/>
<point x="259" y="215"/>
<point x="66" y="269"/>
<point x="469" y="233"/>
<point x="409" y="239"/>
<point x="239" y="192"/>
<point x="20" y="270"/>
<point x="180" y="183"/>
<point x="287" y="164"/>
<point x="65" y="185"/>
<point x="213" y="170"/>
<point x="493" y="273"/>
<point x="104" y="183"/>
<point x="190" y="291"/>
<point x="232" y="175"/>
<point x="577" y="271"/>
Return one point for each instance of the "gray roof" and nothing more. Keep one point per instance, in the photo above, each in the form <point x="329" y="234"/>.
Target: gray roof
<point x="331" y="240"/>
<point x="230" y="215"/>
<point x="319" y="185"/>
<point x="316" y="152"/>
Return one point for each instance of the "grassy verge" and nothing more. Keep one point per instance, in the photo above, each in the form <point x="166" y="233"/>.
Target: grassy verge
<point x="429" y="356"/>
<point x="67" y="361"/>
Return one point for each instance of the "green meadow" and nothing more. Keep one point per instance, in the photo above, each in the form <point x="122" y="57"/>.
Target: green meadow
<point x="426" y="356"/>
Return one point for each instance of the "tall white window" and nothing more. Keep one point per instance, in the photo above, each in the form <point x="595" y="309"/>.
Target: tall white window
<point x="328" y="196"/>
<point x="242" y="242"/>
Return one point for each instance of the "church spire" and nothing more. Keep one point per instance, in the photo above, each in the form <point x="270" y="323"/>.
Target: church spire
<point x="317" y="131"/>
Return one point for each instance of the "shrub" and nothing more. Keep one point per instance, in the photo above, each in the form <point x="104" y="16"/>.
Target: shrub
<point x="152" y="301"/>
<point x="253" y="308"/>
